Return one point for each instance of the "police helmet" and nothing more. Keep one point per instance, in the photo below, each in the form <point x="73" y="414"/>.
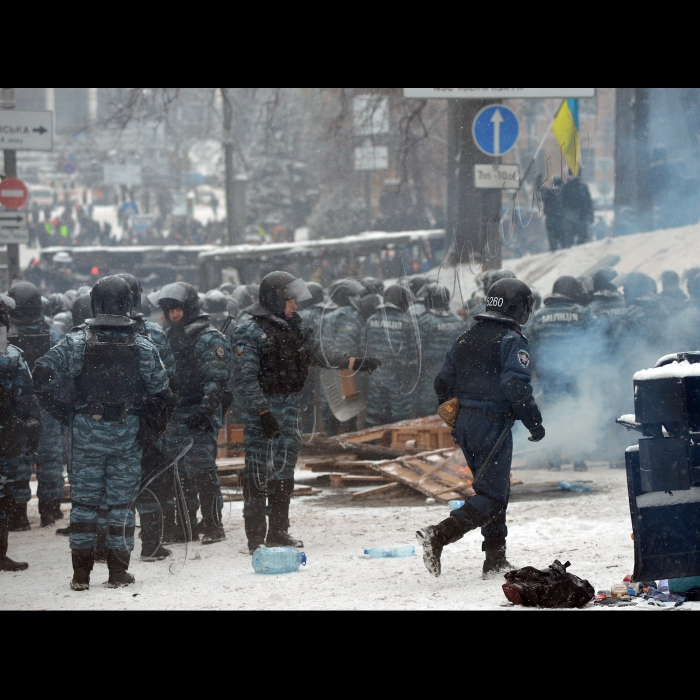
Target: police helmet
<point x="111" y="296"/>
<point x="7" y="305"/>
<point x="136" y="289"/>
<point x="317" y="294"/>
<point x="694" y="287"/>
<point x="509" y="300"/>
<point x="373" y="285"/>
<point x="62" y="259"/>
<point x="367" y="305"/>
<point x="228" y="288"/>
<point x="82" y="309"/>
<point x="178" y="296"/>
<point x="603" y="280"/>
<point x="639" y="285"/>
<point x="215" y="302"/>
<point x="670" y="280"/>
<point x="490" y="277"/>
<point x="572" y="289"/>
<point x="280" y="287"/>
<point x="27" y="302"/>
<point x="247" y="295"/>
<point x="399" y="296"/>
<point x="416" y="284"/>
<point x="342" y="292"/>
<point x="71" y="295"/>
<point x="437" y="297"/>
<point x="57" y="304"/>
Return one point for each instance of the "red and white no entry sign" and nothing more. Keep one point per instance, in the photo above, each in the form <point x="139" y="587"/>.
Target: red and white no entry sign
<point x="13" y="193"/>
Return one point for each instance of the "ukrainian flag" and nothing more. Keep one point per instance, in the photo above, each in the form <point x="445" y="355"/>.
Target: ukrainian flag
<point x="566" y="128"/>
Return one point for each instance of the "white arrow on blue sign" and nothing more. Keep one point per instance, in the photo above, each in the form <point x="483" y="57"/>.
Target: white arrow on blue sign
<point x="496" y="130"/>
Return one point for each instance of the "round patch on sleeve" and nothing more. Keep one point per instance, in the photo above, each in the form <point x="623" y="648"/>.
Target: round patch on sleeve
<point x="524" y="358"/>
<point x="221" y="353"/>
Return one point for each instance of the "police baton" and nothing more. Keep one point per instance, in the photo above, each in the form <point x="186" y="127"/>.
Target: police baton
<point x="227" y="324"/>
<point x="496" y="448"/>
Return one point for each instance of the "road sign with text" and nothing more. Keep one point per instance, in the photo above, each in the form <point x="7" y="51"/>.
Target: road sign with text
<point x="13" y="227"/>
<point x="26" y="131"/>
<point x="497" y="93"/>
<point x="497" y="177"/>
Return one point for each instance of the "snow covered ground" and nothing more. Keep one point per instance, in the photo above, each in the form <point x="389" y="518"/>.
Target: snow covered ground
<point x="592" y="531"/>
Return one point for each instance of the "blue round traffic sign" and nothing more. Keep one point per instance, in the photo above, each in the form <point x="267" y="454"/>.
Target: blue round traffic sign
<point x="69" y="168"/>
<point x="496" y="130"/>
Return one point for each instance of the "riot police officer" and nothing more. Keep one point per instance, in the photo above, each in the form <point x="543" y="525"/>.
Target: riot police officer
<point x="439" y="328"/>
<point x="34" y="337"/>
<point x="20" y="427"/>
<point x="311" y="314"/>
<point x="158" y="497"/>
<point x="488" y="370"/>
<point x="203" y="360"/>
<point x="121" y="392"/>
<point x="392" y="334"/>
<point x="272" y="355"/>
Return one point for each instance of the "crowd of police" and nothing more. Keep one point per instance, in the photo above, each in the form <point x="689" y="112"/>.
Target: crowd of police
<point x="131" y="391"/>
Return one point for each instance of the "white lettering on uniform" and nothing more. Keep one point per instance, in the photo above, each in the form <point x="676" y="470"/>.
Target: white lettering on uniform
<point x="390" y="325"/>
<point x="560" y="318"/>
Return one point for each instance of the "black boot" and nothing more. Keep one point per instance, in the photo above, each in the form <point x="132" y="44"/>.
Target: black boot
<point x="83" y="564"/>
<point x="56" y="511"/>
<point x="496" y="562"/>
<point x="209" y="489"/>
<point x="63" y="532"/>
<point x="46" y="511"/>
<point x="435" y="539"/>
<point x="19" y="522"/>
<point x="151" y="547"/>
<point x="280" y="495"/>
<point x="101" y="551"/>
<point x="118" y="563"/>
<point x="255" y="514"/>
<point x="6" y="564"/>
<point x="580" y="467"/>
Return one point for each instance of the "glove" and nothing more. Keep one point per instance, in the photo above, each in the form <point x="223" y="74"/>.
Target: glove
<point x="270" y="426"/>
<point x="200" y="423"/>
<point x="369" y="365"/>
<point x="538" y="434"/>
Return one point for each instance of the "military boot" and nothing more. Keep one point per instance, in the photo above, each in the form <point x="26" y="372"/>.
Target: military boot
<point x="151" y="548"/>
<point x="255" y="514"/>
<point x="435" y="539"/>
<point x="101" y="551"/>
<point x="56" y="511"/>
<point x="496" y="562"/>
<point x="119" y="576"/>
<point x="211" y="527"/>
<point x="46" y="511"/>
<point x="280" y="497"/>
<point x="6" y="564"/>
<point x="18" y="520"/>
<point x="83" y="564"/>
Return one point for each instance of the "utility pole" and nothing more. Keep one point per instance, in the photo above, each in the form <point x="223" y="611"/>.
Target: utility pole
<point x="632" y="160"/>
<point x="13" y="270"/>
<point x="233" y="235"/>
<point x="473" y="215"/>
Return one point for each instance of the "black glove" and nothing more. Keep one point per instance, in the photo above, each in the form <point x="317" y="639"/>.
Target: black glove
<point x="270" y="426"/>
<point x="369" y="365"/>
<point x="200" y="422"/>
<point x="538" y="434"/>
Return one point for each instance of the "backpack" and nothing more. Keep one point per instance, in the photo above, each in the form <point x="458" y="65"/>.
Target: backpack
<point x="554" y="588"/>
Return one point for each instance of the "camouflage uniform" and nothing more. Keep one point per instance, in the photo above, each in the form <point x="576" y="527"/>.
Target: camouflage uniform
<point x="439" y="330"/>
<point x="203" y="358"/>
<point x="49" y="458"/>
<point x="311" y="422"/>
<point x="391" y="337"/>
<point x="106" y="458"/>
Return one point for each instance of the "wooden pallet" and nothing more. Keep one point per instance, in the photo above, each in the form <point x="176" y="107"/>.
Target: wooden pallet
<point x="424" y="434"/>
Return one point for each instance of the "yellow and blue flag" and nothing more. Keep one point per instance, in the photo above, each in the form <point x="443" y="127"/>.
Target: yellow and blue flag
<point x="566" y="128"/>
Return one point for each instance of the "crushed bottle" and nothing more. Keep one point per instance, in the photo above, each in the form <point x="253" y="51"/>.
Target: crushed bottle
<point x="456" y="505"/>
<point x="397" y="553"/>
<point x="278" y="560"/>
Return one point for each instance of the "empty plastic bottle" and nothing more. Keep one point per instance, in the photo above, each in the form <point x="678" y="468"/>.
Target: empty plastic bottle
<point x="574" y="487"/>
<point x="456" y="505"/>
<point x="398" y="553"/>
<point x="278" y="560"/>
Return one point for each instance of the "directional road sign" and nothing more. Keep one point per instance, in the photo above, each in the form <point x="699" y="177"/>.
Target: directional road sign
<point x="372" y="158"/>
<point x="497" y="93"/>
<point x="13" y="227"/>
<point x="26" y="131"/>
<point x="497" y="177"/>
<point x="496" y="130"/>
<point x="13" y="193"/>
<point x="69" y="168"/>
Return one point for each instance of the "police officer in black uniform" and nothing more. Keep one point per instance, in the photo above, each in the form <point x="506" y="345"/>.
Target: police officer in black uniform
<point x="488" y="369"/>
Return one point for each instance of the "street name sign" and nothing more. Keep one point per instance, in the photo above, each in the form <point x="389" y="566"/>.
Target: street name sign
<point x="497" y="93"/>
<point x="13" y="227"/>
<point x="497" y="177"/>
<point x="26" y="131"/>
<point x="372" y="158"/>
<point x="13" y="193"/>
<point x="496" y="130"/>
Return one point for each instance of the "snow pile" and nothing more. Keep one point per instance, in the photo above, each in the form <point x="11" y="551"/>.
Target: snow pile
<point x="660" y="500"/>
<point x="677" y="370"/>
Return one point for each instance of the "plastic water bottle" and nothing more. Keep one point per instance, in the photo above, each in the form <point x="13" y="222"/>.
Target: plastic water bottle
<point x="278" y="560"/>
<point x="574" y="487"/>
<point x="456" y="505"/>
<point x="398" y="553"/>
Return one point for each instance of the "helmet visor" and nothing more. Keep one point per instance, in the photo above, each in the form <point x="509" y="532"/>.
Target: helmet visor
<point x="8" y="301"/>
<point x="171" y="292"/>
<point x="298" y="291"/>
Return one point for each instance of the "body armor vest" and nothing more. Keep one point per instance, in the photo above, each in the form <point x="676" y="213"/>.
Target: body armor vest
<point x="478" y="362"/>
<point x="33" y="343"/>
<point x="183" y="343"/>
<point x="284" y="358"/>
<point x="111" y="373"/>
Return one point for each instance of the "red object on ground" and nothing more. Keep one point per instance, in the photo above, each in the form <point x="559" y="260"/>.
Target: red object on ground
<point x="13" y="193"/>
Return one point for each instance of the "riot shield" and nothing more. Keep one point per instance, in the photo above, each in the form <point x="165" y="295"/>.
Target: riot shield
<point x="343" y="394"/>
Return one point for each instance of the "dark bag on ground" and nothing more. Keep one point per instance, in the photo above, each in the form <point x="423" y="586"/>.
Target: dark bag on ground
<point x="554" y="588"/>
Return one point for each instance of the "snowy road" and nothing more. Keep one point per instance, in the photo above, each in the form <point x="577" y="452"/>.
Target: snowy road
<point x="592" y="531"/>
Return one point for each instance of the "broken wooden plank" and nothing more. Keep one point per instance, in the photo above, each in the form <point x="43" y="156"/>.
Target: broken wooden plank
<point x="343" y="481"/>
<point x="380" y="493"/>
